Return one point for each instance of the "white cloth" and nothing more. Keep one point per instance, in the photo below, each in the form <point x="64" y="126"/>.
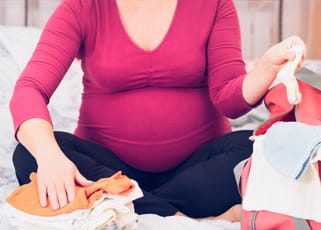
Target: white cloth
<point x="269" y="190"/>
<point x="155" y="222"/>
<point x="286" y="76"/>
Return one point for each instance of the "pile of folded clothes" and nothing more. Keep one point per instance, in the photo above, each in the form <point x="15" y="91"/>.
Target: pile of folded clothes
<point x="106" y="204"/>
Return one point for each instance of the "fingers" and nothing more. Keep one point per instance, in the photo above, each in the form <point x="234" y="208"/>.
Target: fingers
<point x="70" y="190"/>
<point x="58" y="188"/>
<point x="61" y="196"/>
<point x="292" y="42"/>
<point x="281" y="53"/>
<point x="81" y="180"/>
<point x="42" y="194"/>
<point x="57" y="193"/>
<point x="289" y="54"/>
<point x="52" y="196"/>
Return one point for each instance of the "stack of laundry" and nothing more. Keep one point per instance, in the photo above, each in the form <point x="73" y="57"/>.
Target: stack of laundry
<point x="284" y="176"/>
<point x="106" y="204"/>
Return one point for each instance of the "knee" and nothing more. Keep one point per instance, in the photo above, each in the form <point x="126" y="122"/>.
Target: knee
<point x="65" y="139"/>
<point x="20" y="154"/>
<point x="24" y="163"/>
<point x="62" y="136"/>
<point x="243" y="142"/>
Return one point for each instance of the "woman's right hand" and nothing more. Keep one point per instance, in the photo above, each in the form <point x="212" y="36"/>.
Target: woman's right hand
<point x="57" y="177"/>
<point x="56" y="174"/>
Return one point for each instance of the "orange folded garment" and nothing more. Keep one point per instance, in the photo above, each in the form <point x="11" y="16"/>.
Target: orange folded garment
<point x="26" y="198"/>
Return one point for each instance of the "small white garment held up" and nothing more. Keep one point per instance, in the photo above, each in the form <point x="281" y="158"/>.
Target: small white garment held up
<point x="286" y="76"/>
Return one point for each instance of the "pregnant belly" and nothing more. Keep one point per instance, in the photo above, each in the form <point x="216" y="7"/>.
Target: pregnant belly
<point x="152" y="129"/>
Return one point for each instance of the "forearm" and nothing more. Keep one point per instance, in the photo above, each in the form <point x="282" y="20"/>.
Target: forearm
<point x="37" y="136"/>
<point x="257" y="81"/>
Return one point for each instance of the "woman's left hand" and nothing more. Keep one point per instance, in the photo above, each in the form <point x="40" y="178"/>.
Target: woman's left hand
<point x="265" y="70"/>
<point x="281" y="53"/>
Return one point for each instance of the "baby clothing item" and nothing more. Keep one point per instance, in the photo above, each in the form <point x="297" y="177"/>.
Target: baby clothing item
<point x="286" y="76"/>
<point x="106" y="204"/>
<point x="273" y="188"/>
<point x="289" y="147"/>
<point x="101" y="216"/>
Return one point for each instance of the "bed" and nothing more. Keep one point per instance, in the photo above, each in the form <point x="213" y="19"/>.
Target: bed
<point x="16" y="46"/>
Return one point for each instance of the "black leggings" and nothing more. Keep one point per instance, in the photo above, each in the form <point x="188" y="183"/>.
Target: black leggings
<point x="203" y="185"/>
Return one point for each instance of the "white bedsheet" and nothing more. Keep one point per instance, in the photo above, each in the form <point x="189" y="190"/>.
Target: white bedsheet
<point x="16" y="46"/>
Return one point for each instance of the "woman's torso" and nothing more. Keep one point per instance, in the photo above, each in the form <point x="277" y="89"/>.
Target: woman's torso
<point x="151" y="108"/>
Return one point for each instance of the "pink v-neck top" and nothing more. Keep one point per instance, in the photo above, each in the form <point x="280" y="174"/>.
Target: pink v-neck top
<point x="151" y="108"/>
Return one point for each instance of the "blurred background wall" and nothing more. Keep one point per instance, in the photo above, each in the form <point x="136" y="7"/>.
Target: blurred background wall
<point x="263" y="22"/>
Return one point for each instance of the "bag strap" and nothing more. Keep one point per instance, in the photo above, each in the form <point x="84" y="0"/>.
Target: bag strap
<point x="252" y="221"/>
<point x="300" y="224"/>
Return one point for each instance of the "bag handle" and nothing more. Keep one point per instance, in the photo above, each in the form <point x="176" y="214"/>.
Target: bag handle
<point x="300" y="224"/>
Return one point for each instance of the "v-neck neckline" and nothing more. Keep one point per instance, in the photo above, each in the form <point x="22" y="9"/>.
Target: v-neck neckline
<point x="133" y="42"/>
